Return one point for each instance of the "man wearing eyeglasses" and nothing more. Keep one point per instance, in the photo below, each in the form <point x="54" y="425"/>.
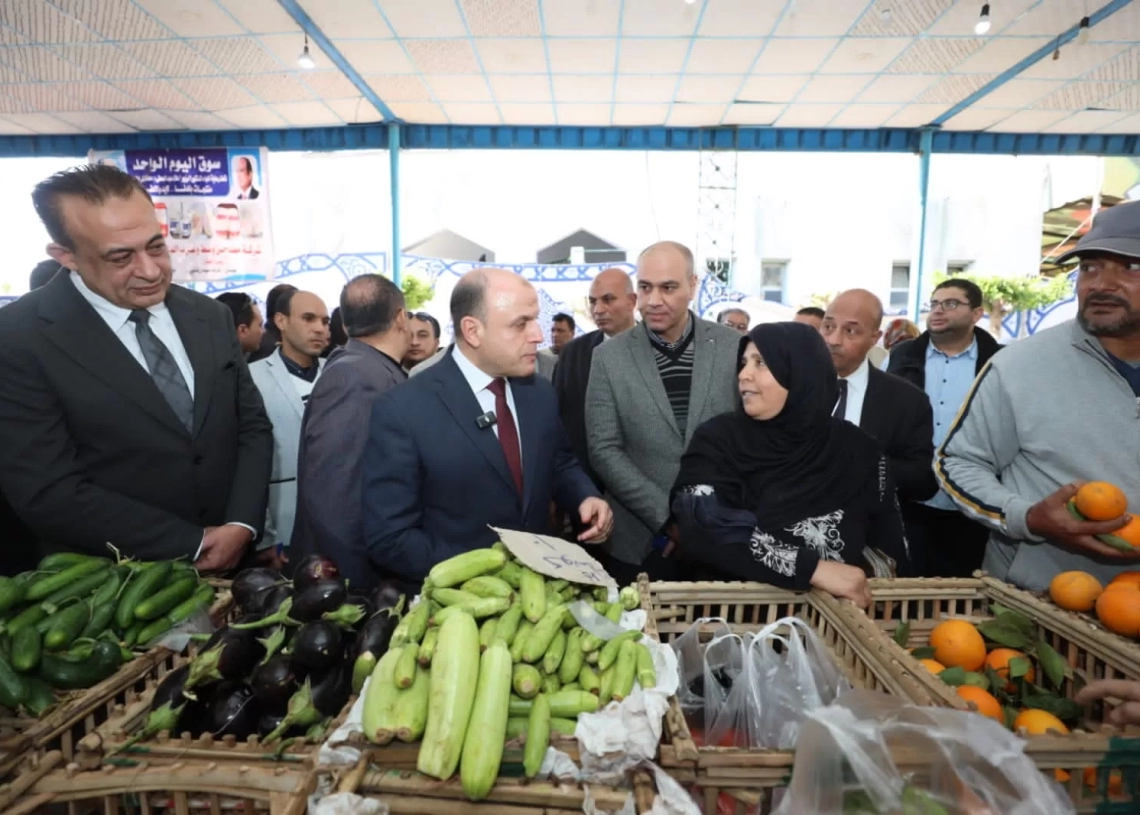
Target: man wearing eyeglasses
<point x="1052" y="411"/>
<point x="943" y="361"/>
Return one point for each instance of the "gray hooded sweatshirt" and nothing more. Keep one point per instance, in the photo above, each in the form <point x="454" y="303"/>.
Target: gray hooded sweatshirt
<point x="1047" y="411"/>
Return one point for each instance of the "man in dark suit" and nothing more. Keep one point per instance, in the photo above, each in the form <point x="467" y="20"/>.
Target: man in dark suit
<point x="331" y="454"/>
<point x="127" y="413"/>
<point x="891" y="410"/>
<point x="612" y="302"/>
<point x="474" y="440"/>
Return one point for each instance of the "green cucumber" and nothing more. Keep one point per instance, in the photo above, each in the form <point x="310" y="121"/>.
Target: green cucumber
<point x="101" y="617"/>
<point x="64" y="560"/>
<point x="11" y="593"/>
<point x="110" y="590"/>
<point x="202" y="598"/>
<point x="131" y="635"/>
<point x="44" y="586"/>
<point x="81" y="588"/>
<point x="152" y="630"/>
<point x="5" y="646"/>
<point x="39" y="697"/>
<point x="26" y="649"/>
<point x="66" y="625"/>
<point x="13" y="689"/>
<point x="29" y="616"/>
<point x="162" y="601"/>
<point x="64" y="675"/>
<point x="145" y="583"/>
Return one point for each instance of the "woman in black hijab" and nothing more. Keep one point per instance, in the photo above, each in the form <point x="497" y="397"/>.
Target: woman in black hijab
<point x="781" y="492"/>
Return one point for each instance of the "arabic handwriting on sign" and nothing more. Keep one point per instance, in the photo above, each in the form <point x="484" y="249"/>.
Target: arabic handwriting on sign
<point x="557" y="562"/>
<point x="539" y="540"/>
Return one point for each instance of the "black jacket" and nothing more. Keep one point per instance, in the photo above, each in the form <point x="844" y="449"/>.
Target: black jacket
<point x="908" y="359"/>
<point x="571" y="376"/>
<point x="898" y="416"/>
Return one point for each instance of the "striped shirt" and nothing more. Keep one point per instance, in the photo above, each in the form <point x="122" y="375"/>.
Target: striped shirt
<point x="675" y="366"/>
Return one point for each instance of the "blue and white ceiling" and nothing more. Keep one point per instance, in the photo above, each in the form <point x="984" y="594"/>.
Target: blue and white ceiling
<point x="117" y="66"/>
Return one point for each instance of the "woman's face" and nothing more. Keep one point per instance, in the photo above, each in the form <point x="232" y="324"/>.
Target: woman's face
<point x="762" y="395"/>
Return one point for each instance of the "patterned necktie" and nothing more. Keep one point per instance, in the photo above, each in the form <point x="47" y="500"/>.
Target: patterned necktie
<point x="163" y="369"/>
<point x="508" y="432"/>
<point x="840" y="411"/>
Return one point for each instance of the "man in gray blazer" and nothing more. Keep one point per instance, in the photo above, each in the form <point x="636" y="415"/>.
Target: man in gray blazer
<point x="650" y="389"/>
<point x="286" y="380"/>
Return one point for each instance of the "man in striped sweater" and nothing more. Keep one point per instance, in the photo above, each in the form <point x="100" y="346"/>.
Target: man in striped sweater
<point x="650" y="388"/>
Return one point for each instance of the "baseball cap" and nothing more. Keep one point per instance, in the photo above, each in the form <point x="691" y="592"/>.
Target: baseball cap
<point x="1115" y="230"/>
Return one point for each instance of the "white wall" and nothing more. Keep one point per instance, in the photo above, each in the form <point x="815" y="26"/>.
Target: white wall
<point x="22" y="236"/>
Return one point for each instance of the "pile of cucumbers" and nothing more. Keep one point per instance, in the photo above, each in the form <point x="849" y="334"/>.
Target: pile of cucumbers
<point x="74" y="621"/>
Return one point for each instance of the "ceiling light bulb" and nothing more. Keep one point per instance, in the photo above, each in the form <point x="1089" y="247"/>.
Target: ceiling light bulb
<point x="305" y="60"/>
<point x="690" y="2"/>
<point x="983" y="24"/>
<point x="1083" y="33"/>
<point x="885" y="16"/>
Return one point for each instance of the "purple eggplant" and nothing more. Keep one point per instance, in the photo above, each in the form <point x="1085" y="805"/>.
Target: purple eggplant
<point x="387" y="595"/>
<point x="273" y="599"/>
<point x="233" y="712"/>
<point x="274" y="681"/>
<point x="317" y="646"/>
<point x="314" y="569"/>
<point x="317" y="599"/>
<point x="228" y="654"/>
<point x="251" y="587"/>
<point x="332" y="689"/>
<point x="270" y="720"/>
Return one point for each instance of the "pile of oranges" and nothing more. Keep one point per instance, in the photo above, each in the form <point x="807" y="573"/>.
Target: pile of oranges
<point x="1116" y="605"/>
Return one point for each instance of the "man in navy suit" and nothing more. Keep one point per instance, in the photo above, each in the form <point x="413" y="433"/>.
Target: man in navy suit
<point x="474" y="440"/>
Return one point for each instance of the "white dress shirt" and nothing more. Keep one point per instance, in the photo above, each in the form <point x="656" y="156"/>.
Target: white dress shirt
<point x="479" y="382"/>
<point x="161" y="323"/>
<point x="857" y="392"/>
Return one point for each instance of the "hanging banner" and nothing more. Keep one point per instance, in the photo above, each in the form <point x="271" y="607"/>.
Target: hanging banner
<point x="213" y="205"/>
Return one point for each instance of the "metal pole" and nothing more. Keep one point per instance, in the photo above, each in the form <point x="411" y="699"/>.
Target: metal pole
<point x="394" y="179"/>
<point x="926" y="141"/>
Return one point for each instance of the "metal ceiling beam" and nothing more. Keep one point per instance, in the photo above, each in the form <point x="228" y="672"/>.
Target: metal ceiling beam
<point x="302" y="18"/>
<point x="1038" y="55"/>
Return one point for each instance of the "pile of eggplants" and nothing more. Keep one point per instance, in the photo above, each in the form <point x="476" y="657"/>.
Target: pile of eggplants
<point x="288" y="662"/>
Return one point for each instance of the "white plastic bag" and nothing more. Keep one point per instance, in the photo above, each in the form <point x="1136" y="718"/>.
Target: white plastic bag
<point x="691" y="667"/>
<point x="959" y="762"/>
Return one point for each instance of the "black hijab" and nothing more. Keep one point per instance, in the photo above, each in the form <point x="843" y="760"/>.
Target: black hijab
<point x="797" y="464"/>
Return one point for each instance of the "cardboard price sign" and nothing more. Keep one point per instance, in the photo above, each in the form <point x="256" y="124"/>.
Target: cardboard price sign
<point x="554" y="557"/>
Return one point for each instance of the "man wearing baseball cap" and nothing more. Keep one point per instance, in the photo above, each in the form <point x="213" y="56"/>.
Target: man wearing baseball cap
<point x="1052" y="412"/>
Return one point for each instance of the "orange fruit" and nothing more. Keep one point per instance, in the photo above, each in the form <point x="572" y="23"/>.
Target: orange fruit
<point x="1126" y="579"/>
<point x="986" y="704"/>
<point x="1101" y="501"/>
<point x="957" y="644"/>
<point x="1115" y="781"/>
<point x="1038" y="722"/>
<point x="1062" y="776"/>
<point x="1119" y="610"/>
<point x="999" y="658"/>
<point x="1130" y="532"/>
<point x="932" y="666"/>
<point x="1076" y="591"/>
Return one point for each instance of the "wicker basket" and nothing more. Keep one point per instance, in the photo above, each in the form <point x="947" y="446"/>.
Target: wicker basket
<point x="738" y="778"/>
<point x="1090" y="653"/>
<point x="22" y="737"/>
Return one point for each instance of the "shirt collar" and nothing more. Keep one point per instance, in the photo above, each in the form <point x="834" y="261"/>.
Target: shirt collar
<point x="970" y="353"/>
<point x="671" y="345"/>
<point x="308" y="374"/>
<point x="476" y="378"/>
<point x="115" y="316"/>
<point x="859" y="378"/>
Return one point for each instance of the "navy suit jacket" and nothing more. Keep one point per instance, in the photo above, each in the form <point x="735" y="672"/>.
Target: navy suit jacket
<point x="433" y="480"/>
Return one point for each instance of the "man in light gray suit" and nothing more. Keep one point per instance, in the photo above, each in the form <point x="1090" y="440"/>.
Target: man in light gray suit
<point x="285" y="380"/>
<point x="650" y="389"/>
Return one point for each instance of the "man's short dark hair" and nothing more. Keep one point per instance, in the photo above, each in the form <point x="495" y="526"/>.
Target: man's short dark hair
<point x="973" y="292"/>
<point x="248" y="164"/>
<point x="369" y="305"/>
<point x="273" y="305"/>
<point x="469" y="299"/>
<point x="94" y="183"/>
<point x="240" y="304"/>
<point x="337" y="336"/>
<point x="811" y="311"/>
<point x="284" y="302"/>
<point x="561" y="317"/>
<point x="43" y="273"/>
<point x="427" y="318"/>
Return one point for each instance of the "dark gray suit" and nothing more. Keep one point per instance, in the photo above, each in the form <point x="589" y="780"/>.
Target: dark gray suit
<point x="334" y="432"/>
<point x="635" y="445"/>
<point x="91" y="452"/>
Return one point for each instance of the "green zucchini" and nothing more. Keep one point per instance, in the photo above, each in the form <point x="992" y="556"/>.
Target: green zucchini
<point x="81" y="588"/>
<point x="39" y="698"/>
<point x="162" y="601"/>
<point x="44" y="586"/>
<point x="101" y="617"/>
<point x="29" y="616"/>
<point x="26" y="649"/>
<point x="66" y="625"/>
<point x="13" y="689"/>
<point x="64" y="675"/>
<point x="11" y="593"/>
<point x="145" y="583"/>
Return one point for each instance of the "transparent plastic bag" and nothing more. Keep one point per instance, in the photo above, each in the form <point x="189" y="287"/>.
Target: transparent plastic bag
<point x="690" y="651"/>
<point x="871" y="754"/>
<point x="726" y="692"/>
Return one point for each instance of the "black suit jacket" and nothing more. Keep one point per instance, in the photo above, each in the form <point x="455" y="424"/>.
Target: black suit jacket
<point x="898" y="416"/>
<point x="570" y="379"/>
<point x="329" y="460"/>
<point x="908" y="358"/>
<point x="433" y="480"/>
<point x="90" y="451"/>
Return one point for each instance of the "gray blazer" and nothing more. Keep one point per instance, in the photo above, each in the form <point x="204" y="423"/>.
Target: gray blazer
<point x="544" y="364"/>
<point x="635" y="445"/>
<point x="285" y="409"/>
